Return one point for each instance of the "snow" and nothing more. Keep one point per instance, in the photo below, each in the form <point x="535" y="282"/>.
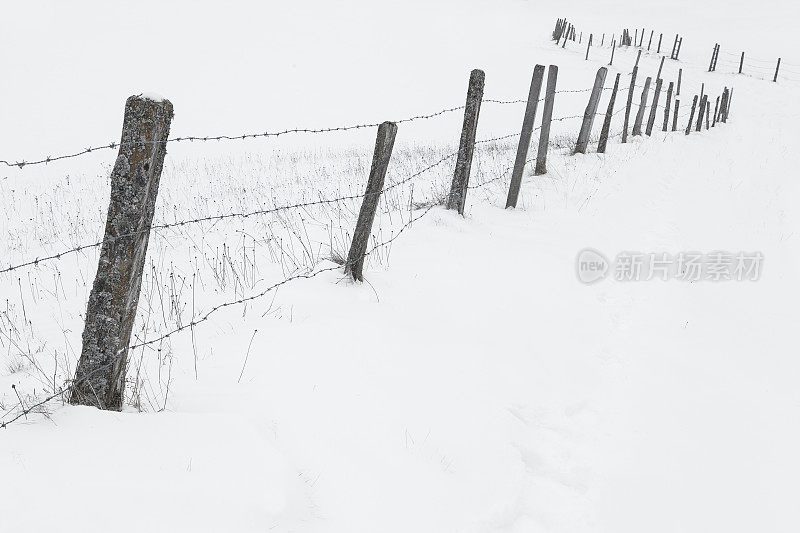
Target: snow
<point x="474" y="383"/>
<point x="155" y="97"/>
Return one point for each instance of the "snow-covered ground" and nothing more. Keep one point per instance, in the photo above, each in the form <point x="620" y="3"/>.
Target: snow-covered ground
<point x="473" y="383"/>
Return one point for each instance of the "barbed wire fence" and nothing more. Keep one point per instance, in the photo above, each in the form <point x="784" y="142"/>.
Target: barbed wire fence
<point x="130" y="241"/>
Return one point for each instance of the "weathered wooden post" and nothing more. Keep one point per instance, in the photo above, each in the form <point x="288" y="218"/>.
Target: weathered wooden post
<point x="691" y="115"/>
<point x="601" y="146"/>
<point x="628" y="106"/>
<point x="641" y="39"/>
<point x="716" y="58"/>
<point x="660" y="36"/>
<point x="635" y="36"/>
<point x="674" y="47"/>
<point x="668" y="104"/>
<point x="100" y="374"/>
<point x="384" y="143"/>
<point x="525" y="135"/>
<point x="651" y="40"/>
<point x="660" y="67"/>
<point x="638" y="57"/>
<point x="702" y="91"/>
<point x="675" y="114"/>
<point x="652" y="119"/>
<point x="547" y="117"/>
<point x="678" y="88"/>
<point x="713" y="53"/>
<point x="777" y="68"/>
<point x="722" y="103"/>
<point x="637" y="126"/>
<point x="591" y="111"/>
<point x="716" y="111"/>
<point x="678" y="51"/>
<point x="466" y="148"/>
<point x="588" y="45"/>
<point x="700" y="113"/>
<point x="602" y="40"/>
<point x="741" y="63"/>
<point x="613" y="45"/>
<point x="707" y="106"/>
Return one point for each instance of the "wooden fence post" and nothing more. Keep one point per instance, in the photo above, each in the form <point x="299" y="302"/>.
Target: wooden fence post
<point x="458" y="188"/>
<point x="601" y="146"/>
<point x="637" y="126"/>
<point x="707" y="106"/>
<point x="635" y="36"/>
<point x="100" y="374"/>
<point x="638" y="56"/>
<point x="525" y="135"/>
<point x="547" y="117"/>
<point x="713" y="53"/>
<point x="722" y="105"/>
<point x="675" y="114"/>
<point x="591" y="111"/>
<point x="716" y="111"/>
<point x="674" y="47"/>
<point x="716" y="58"/>
<point x="613" y="45"/>
<point x="660" y="36"/>
<point x="678" y="51"/>
<point x="678" y="88"/>
<point x="651" y="40"/>
<point x="628" y="106"/>
<point x="384" y="143"/>
<point x="641" y="39"/>
<point x="602" y="40"/>
<point x="652" y="119"/>
<point x="700" y="113"/>
<point x="660" y="66"/>
<point x="589" y="45"/>
<point x="668" y="104"/>
<point x="777" y="68"/>
<point x="691" y="115"/>
<point x="741" y="63"/>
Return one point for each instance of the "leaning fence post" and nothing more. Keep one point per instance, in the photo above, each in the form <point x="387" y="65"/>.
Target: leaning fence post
<point x="100" y="374"/>
<point x="613" y="45"/>
<point x="675" y="114"/>
<point x="628" y="105"/>
<point x="547" y="116"/>
<point x="601" y="146"/>
<point x="525" y="135"/>
<point x="588" y="45"/>
<point x="638" y="56"/>
<point x="658" y="49"/>
<point x="716" y="111"/>
<point x="591" y="111"/>
<point x="458" y="188"/>
<point x="668" y="104"/>
<point x="691" y="115"/>
<point x="384" y="143"/>
<point x="637" y="126"/>
<point x="651" y="40"/>
<point x="722" y="103"/>
<point x="674" y="47"/>
<point x="713" y="53"/>
<point x="678" y="51"/>
<point x="660" y="66"/>
<point x="707" y="106"/>
<point x="652" y="119"/>
<point x="678" y="89"/>
<point x="700" y="113"/>
<point x="741" y="63"/>
<point x="777" y="68"/>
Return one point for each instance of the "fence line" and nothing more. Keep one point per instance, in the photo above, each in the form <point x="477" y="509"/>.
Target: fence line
<point x="306" y="274"/>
